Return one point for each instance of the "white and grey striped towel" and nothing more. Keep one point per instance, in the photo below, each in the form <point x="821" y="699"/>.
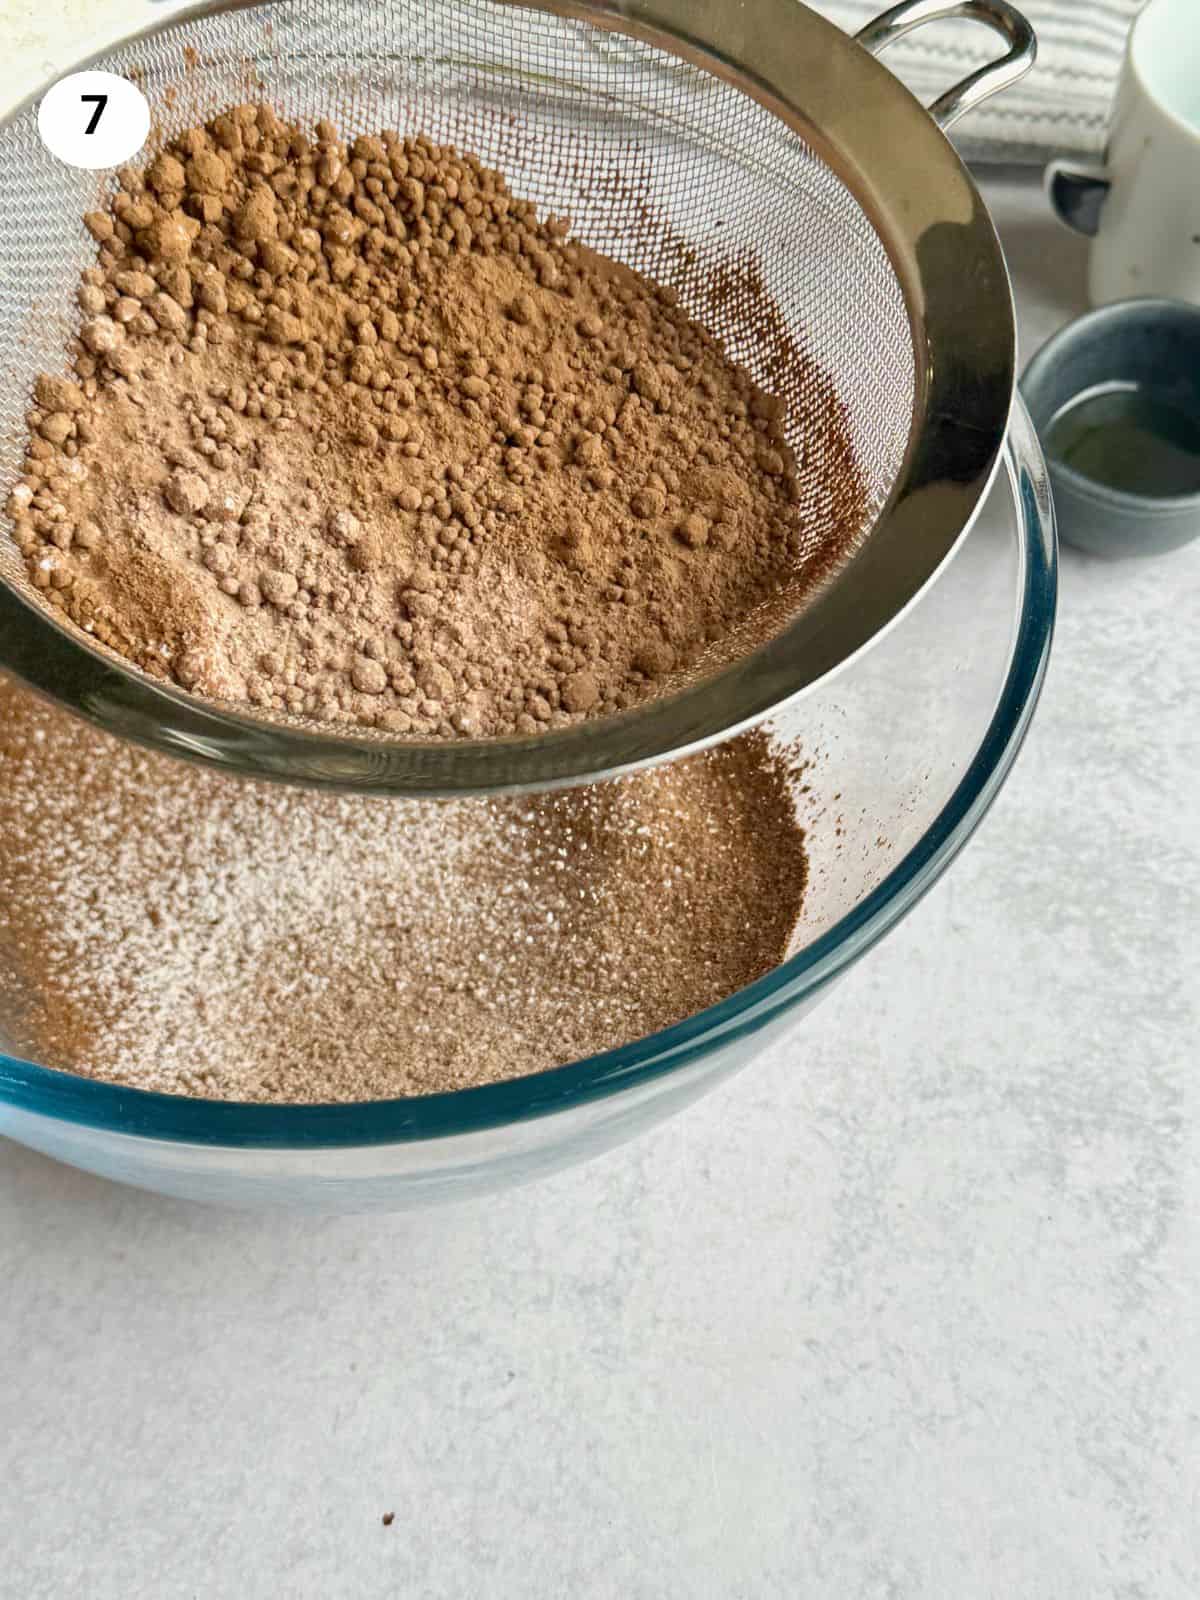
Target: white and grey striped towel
<point x="1062" y="107"/>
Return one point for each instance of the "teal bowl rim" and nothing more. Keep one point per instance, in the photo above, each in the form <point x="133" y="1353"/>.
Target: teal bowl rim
<point x="140" y="1113"/>
<point x="1098" y="324"/>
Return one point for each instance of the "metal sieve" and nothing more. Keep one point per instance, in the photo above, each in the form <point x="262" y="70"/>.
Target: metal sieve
<point x="746" y="152"/>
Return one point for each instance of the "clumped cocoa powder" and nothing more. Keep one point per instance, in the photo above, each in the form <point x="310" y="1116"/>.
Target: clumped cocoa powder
<point x="167" y="927"/>
<point x="352" y="433"/>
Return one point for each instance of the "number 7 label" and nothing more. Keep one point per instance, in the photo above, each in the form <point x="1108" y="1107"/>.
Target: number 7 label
<point x="99" y="101"/>
<point x="94" y="119"/>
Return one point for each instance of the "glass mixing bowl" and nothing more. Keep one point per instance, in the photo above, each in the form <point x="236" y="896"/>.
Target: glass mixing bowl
<point x="906" y="748"/>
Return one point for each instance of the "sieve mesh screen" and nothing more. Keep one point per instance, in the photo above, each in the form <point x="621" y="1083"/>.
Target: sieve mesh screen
<point x="658" y="163"/>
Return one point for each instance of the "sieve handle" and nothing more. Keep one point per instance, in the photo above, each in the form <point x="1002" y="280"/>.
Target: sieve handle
<point x="985" y="81"/>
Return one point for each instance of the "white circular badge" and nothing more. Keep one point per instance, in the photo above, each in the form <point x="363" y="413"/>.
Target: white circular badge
<point x="94" y="119"/>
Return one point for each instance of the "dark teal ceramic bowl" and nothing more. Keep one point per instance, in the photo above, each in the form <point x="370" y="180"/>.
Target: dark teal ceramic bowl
<point x="1153" y="344"/>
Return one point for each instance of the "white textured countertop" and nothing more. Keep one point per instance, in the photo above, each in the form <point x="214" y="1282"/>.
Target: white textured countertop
<point x="909" y="1310"/>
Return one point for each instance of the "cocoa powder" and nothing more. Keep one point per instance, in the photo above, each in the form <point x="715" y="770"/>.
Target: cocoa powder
<point x="167" y="927"/>
<point x="351" y="433"/>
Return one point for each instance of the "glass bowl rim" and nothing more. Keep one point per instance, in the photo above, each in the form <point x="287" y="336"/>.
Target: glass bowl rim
<point x="142" y="1113"/>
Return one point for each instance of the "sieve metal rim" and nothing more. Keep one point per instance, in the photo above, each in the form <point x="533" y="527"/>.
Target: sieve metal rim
<point x="895" y="159"/>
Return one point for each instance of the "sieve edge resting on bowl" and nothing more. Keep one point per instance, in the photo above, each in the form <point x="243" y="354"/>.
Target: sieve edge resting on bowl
<point x="894" y="158"/>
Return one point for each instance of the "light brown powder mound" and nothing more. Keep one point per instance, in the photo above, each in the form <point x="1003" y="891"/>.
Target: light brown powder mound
<point x="352" y="434"/>
<point x="170" y="928"/>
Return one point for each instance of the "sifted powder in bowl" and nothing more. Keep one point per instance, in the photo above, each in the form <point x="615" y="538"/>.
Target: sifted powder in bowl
<point x="171" y="928"/>
<point x="351" y="433"/>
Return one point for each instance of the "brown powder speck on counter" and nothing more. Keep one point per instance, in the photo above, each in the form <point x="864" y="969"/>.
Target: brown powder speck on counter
<point x="171" y="928"/>
<point x="352" y="434"/>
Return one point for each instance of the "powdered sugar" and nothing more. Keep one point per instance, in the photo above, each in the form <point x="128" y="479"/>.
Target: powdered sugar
<point x="167" y="927"/>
